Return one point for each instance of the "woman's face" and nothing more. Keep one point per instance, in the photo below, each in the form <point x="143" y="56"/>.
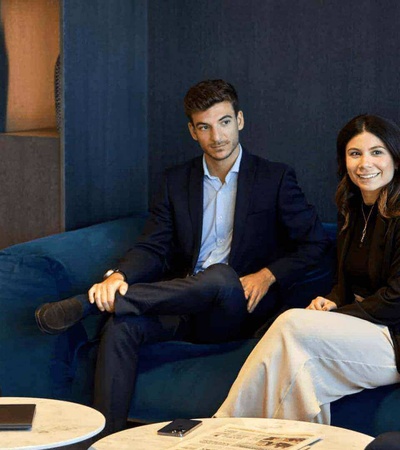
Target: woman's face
<point x="369" y="164"/>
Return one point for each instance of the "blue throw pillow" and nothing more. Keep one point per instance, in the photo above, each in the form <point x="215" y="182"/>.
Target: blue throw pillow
<point x="25" y="282"/>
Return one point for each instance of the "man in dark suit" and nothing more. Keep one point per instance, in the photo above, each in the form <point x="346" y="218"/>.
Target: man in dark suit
<point x="227" y="233"/>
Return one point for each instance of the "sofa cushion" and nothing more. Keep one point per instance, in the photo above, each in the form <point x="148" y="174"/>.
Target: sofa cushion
<point x="194" y="386"/>
<point x="175" y="378"/>
<point x="370" y="411"/>
<point x="25" y="282"/>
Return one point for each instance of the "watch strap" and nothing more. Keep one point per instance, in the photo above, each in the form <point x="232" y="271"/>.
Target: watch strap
<point x="112" y="271"/>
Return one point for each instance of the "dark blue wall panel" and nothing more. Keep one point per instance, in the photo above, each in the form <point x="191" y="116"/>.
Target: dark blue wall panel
<point x="302" y="69"/>
<point x="104" y="58"/>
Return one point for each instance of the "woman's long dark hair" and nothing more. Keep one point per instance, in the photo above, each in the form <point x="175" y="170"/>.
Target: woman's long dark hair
<point x="348" y="194"/>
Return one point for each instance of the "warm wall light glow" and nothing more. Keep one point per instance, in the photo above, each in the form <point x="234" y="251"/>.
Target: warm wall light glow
<point x="31" y="29"/>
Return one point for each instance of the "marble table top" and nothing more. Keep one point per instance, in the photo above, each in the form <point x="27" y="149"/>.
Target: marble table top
<point x="146" y="438"/>
<point x="56" y="424"/>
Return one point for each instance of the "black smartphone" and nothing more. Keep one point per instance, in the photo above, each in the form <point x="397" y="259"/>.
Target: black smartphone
<point x="179" y="427"/>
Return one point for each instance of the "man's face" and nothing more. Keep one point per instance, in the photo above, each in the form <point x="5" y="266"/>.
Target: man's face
<point x="217" y="131"/>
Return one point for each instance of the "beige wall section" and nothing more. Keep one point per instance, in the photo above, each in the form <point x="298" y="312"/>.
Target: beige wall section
<point x="32" y="35"/>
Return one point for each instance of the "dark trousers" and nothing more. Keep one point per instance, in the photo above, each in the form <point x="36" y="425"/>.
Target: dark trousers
<point x="207" y="307"/>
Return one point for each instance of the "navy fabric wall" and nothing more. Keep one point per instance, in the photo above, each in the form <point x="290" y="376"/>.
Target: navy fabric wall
<point x="104" y="60"/>
<point x="302" y="70"/>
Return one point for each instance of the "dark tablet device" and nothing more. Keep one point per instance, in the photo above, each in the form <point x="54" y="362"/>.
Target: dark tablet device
<point x="17" y="416"/>
<point x="179" y="427"/>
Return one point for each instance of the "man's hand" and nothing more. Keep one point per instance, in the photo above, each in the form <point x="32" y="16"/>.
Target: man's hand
<point x="255" y="286"/>
<point x="322" y="304"/>
<point x="103" y="294"/>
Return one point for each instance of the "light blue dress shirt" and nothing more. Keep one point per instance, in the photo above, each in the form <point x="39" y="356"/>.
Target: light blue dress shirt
<point x="219" y="200"/>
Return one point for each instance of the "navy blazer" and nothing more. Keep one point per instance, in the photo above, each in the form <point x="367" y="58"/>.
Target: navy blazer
<point x="274" y="226"/>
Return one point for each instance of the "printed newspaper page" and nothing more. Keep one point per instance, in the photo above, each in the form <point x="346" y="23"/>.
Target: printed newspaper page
<point x="238" y="438"/>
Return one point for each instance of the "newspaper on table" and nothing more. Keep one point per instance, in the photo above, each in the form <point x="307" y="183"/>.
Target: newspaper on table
<point x="238" y="438"/>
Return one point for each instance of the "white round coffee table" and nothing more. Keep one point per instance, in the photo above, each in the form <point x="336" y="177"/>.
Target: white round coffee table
<point x="146" y="438"/>
<point x="56" y="424"/>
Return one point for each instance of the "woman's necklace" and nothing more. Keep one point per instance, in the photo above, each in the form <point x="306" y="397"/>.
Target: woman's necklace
<point x="366" y="219"/>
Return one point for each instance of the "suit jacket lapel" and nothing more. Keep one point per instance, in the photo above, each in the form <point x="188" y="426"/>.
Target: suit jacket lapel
<point x="244" y="191"/>
<point x="196" y="205"/>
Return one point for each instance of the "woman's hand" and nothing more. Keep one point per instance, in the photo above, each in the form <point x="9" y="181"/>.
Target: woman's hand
<point x="322" y="304"/>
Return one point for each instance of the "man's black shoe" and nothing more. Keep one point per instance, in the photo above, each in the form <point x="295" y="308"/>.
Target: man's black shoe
<point x="57" y="317"/>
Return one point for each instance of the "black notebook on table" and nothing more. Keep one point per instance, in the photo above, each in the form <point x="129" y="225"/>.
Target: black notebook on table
<point x="17" y="416"/>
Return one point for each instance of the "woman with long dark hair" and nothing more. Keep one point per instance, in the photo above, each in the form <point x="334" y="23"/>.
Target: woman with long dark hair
<point x="312" y="357"/>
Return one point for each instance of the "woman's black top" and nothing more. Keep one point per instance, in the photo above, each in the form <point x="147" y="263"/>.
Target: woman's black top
<point x="356" y="260"/>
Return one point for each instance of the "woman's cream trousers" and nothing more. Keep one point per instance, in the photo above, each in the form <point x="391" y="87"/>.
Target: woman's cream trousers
<point x="305" y="361"/>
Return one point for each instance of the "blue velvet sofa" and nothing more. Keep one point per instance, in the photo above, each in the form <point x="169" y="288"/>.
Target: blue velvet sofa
<point x="176" y="379"/>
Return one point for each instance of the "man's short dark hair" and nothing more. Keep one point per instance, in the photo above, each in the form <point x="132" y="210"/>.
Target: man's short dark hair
<point x="207" y="93"/>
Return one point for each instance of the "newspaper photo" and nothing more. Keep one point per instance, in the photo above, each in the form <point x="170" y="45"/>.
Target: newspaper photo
<point x="239" y="438"/>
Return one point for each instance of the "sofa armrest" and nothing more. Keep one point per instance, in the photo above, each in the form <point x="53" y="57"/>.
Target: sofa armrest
<point x="46" y="270"/>
<point x="85" y="253"/>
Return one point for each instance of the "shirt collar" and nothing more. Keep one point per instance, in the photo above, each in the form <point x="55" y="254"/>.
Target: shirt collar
<point x="234" y="168"/>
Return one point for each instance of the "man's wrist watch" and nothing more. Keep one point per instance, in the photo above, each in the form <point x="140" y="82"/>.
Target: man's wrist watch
<point x="112" y="271"/>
